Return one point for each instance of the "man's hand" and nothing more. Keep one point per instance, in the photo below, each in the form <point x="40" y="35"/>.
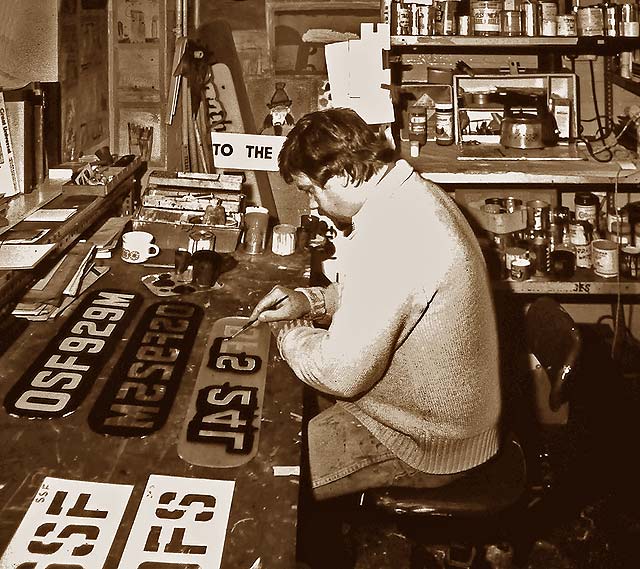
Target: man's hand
<point x="295" y="306"/>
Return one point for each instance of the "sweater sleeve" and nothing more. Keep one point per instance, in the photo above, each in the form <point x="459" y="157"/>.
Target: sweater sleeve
<point x="379" y="304"/>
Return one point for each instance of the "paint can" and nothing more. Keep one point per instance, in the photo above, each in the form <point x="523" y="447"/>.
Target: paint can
<point x="426" y="16"/>
<point x="590" y="21"/>
<point x="539" y="255"/>
<point x="513" y="253"/>
<point x="604" y="258"/>
<point x="630" y="262"/>
<point x="520" y="269"/>
<point x="566" y="25"/>
<point x="486" y="17"/>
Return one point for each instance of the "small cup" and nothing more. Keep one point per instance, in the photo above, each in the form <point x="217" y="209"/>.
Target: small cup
<point x="137" y="247"/>
<point x="283" y="240"/>
<point x="256" y="222"/>
<point x="520" y="269"/>
<point x="206" y="268"/>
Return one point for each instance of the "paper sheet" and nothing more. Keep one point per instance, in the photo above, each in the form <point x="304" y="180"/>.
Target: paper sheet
<point x="59" y="214"/>
<point x="23" y="256"/>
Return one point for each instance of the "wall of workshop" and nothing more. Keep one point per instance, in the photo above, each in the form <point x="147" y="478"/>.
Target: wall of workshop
<point x="29" y="40"/>
<point x="61" y="41"/>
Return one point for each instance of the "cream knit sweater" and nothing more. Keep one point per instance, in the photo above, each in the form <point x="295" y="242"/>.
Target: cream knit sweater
<point x="412" y="348"/>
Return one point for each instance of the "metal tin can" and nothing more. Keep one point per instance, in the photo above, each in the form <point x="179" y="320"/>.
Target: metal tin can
<point x="201" y="240"/>
<point x="620" y="233"/>
<point x="549" y="28"/>
<point x="630" y="262"/>
<point x="512" y="204"/>
<point x="426" y="20"/>
<point x="530" y="19"/>
<point x="512" y="253"/>
<point x="486" y="17"/>
<point x="590" y="21"/>
<point x="511" y="23"/>
<point x="402" y="19"/>
<point x="629" y="26"/>
<point x="446" y="23"/>
<point x="548" y="13"/>
<point x="605" y="258"/>
<point x="538" y="215"/>
<point x="566" y="25"/>
<point x="611" y="20"/>
<point x="520" y="269"/>
<point x="539" y="255"/>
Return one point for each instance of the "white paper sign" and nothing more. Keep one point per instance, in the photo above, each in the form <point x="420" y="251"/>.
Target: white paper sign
<point x="357" y="77"/>
<point x="70" y="523"/>
<point x="246" y="151"/>
<point x="180" y="521"/>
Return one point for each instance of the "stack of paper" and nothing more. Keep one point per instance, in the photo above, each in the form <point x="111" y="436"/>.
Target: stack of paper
<point x="52" y="294"/>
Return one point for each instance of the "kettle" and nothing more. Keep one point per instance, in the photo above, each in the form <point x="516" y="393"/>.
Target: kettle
<point x="527" y="130"/>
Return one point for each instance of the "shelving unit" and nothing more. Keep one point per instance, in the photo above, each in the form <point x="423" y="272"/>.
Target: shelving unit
<point x="140" y="51"/>
<point x="559" y="169"/>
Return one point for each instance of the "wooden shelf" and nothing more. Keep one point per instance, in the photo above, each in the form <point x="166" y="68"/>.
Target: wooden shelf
<point x="516" y="44"/>
<point x="442" y="165"/>
<point x="584" y="283"/>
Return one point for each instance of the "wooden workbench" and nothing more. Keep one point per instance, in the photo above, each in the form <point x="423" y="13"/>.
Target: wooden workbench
<point x="263" y="516"/>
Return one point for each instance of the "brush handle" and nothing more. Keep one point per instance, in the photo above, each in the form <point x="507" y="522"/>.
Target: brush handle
<point x="254" y="320"/>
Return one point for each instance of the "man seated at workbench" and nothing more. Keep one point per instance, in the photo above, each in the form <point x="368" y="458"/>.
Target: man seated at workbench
<point x="411" y="352"/>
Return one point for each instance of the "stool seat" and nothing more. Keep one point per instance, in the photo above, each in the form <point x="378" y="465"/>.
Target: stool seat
<point x="486" y="490"/>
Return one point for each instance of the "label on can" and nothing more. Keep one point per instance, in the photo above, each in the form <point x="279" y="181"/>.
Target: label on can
<point x="605" y="258"/>
<point x="583" y="256"/>
<point x="566" y="25"/>
<point x="548" y="10"/>
<point x="486" y="17"/>
<point x="590" y="21"/>
<point x="549" y="28"/>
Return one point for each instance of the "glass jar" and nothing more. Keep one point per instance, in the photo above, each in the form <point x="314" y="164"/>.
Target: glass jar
<point x="586" y="208"/>
<point x="485" y="16"/>
<point x="417" y="128"/>
<point x="444" y="124"/>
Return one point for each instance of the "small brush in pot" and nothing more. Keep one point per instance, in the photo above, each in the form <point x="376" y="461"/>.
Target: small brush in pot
<point x="254" y="320"/>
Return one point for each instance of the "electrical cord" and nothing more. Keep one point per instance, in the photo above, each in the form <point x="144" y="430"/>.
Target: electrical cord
<point x="601" y="133"/>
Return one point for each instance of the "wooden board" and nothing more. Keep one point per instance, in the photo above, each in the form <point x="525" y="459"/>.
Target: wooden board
<point x="217" y="37"/>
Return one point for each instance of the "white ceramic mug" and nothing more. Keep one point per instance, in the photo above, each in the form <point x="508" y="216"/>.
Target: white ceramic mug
<point x="137" y="247"/>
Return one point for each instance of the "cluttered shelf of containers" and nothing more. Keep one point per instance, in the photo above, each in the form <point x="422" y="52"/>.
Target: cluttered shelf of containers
<point x="536" y="247"/>
<point x="412" y="22"/>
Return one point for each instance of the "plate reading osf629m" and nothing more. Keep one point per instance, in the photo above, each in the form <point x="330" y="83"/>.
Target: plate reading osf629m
<point x="222" y="424"/>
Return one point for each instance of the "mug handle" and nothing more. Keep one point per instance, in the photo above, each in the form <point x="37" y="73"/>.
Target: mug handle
<point x="153" y="250"/>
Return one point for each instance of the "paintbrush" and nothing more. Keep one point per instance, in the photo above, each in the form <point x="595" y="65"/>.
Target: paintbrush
<point x="254" y="320"/>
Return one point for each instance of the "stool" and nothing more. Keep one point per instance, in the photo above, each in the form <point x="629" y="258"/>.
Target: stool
<point x="456" y="517"/>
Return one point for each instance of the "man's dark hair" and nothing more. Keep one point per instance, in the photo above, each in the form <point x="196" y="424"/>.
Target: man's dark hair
<point x="333" y="142"/>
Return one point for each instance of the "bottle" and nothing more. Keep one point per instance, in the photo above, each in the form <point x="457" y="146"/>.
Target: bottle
<point x="417" y="128"/>
<point x="580" y="236"/>
<point x="444" y="124"/>
<point x="586" y="208"/>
